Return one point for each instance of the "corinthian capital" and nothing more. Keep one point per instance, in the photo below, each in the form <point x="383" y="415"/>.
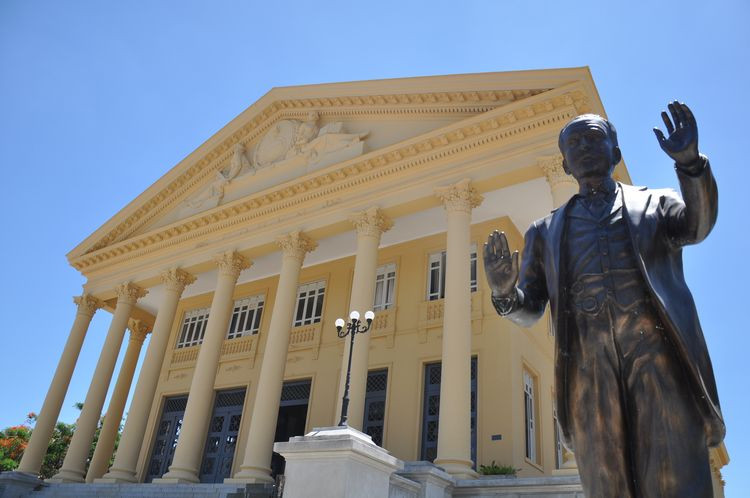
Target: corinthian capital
<point x="553" y="170"/>
<point x="231" y="263"/>
<point x="87" y="304"/>
<point x="296" y="244"/>
<point x="176" y="279"/>
<point x="371" y="222"/>
<point x="128" y="292"/>
<point x="461" y="196"/>
<point x="138" y="330"/>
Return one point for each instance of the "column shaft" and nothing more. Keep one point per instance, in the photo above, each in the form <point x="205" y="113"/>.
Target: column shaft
<point x="454" y="432"/>
<point x="370" y="225"/>
<point x="106" y="443"/>
<point x="126" y="459"/>
<point x="33" y="456"/>
<point x="187" y="457"/>
<point x="256" y="464"/>
<point x="74" y="465"/>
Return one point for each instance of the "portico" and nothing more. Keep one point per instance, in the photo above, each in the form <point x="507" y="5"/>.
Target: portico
<point x="315" y="201"/>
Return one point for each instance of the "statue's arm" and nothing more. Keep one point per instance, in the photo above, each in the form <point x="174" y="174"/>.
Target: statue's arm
<point x="690" y="219"/>
<point x="526" y="302"/>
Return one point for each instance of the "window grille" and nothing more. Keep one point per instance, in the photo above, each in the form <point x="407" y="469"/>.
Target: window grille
<point x="530" y="416"/>
<point x="230" y="398"/>
<point x="309" y="303"/>
<point x="436" y="273"/>
<point x="385" y="285"/>
<point x="193" y="327"/>
<point x="296" y="392"/>
<point x="246" y="317"/>
<point x="431" y="410"/>
<point x="374" y="416"/>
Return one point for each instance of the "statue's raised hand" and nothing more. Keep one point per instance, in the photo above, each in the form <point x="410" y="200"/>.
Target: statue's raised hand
<point x="500" y="266"/>
<point x="682" y="143"/>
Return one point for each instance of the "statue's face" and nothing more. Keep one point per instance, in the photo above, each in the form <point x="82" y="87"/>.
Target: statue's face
<point x="588" y="150"/>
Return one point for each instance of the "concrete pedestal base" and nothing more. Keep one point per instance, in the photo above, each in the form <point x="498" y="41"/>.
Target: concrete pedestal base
<point x="336" y="462"/>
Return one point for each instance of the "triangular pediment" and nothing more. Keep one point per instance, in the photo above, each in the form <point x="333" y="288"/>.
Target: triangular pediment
<point x="305" y="132"/>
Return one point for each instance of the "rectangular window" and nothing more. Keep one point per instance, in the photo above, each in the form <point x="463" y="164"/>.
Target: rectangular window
<point x="436" y="273"/>
<point x="385" y="285"/>
<point x="193" y="327"/>
<point x="310" y="303"/>
<point x="246" y="316"/>
<point x="530" y="415"/>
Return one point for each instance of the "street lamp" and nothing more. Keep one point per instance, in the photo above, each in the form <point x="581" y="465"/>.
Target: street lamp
<point x="352" y="328"/>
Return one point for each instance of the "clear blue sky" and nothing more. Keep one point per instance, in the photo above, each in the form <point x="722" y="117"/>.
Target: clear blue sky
<point x="99" y="99"/>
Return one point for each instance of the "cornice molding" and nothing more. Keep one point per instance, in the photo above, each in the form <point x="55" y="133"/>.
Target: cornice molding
<point x="376" y="165"/>
<point x="474" y="102"/>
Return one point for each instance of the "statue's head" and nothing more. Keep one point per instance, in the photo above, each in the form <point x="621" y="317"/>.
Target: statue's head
<point x="589" y="147"/>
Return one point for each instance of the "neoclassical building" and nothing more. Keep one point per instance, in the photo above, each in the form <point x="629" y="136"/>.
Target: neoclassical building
<point x="315" y="201"/>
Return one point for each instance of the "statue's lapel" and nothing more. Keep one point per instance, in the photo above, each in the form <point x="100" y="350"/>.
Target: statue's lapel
<point x="635" y="202"/>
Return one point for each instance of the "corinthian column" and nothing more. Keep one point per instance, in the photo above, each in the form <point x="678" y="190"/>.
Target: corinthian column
<point x="370" y="226"/>
<point x="454" y="431"/>
<point x="187" y="456"/>
<point x="562" y="185"/>
<point x="106" y="443"/>
<point x="256" y="464"/>
<point x="32" y="458"/>
<point x="74" y="465"/>
<point x="126" y="458"/>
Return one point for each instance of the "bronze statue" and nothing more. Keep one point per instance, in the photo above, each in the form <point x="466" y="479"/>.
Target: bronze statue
<point x="635" y="390"/>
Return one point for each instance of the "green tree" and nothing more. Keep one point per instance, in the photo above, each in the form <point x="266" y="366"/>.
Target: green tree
<point x="14" y="440"/>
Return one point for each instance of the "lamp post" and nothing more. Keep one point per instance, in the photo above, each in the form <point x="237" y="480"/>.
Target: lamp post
<point x="352" y="328"/>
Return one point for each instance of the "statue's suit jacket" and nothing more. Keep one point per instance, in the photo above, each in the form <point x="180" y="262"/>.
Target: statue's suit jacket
<point x="660" y="223"/>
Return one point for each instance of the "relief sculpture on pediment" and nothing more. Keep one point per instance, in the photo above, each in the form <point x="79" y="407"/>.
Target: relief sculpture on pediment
<point x="212" y="196"/>
<point x="299" y="145"/>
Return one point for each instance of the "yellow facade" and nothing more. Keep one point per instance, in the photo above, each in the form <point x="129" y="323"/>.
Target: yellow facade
<point x="304" y="161"/>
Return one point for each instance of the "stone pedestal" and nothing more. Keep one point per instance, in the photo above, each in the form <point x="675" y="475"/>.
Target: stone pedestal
<point x="336" y="462"/>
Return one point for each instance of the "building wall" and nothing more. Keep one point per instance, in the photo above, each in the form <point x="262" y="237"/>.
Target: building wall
<point x="403" y="346"/>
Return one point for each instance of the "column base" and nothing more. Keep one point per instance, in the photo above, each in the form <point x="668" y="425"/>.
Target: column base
<point x="457" y="467"/>
<point x="251" y="475"/>
<point x="177" y="475"/>
<point x="66" y="476"/>
<point x="116" y="476"/>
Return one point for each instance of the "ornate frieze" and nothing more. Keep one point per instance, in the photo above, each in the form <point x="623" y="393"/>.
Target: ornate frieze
<point x="371" y="222"/>
<point x="138" y="330"/>
<point x="392" y="161"/>
<point x="296" y="244"/>
<point x="553" y="170"/>
<point x="461" y="196"/>
<point x="231" y="263"/>
<point x="87" y="304"/>
<point x="176" y="279"/>
<point x="128" y="292"/>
